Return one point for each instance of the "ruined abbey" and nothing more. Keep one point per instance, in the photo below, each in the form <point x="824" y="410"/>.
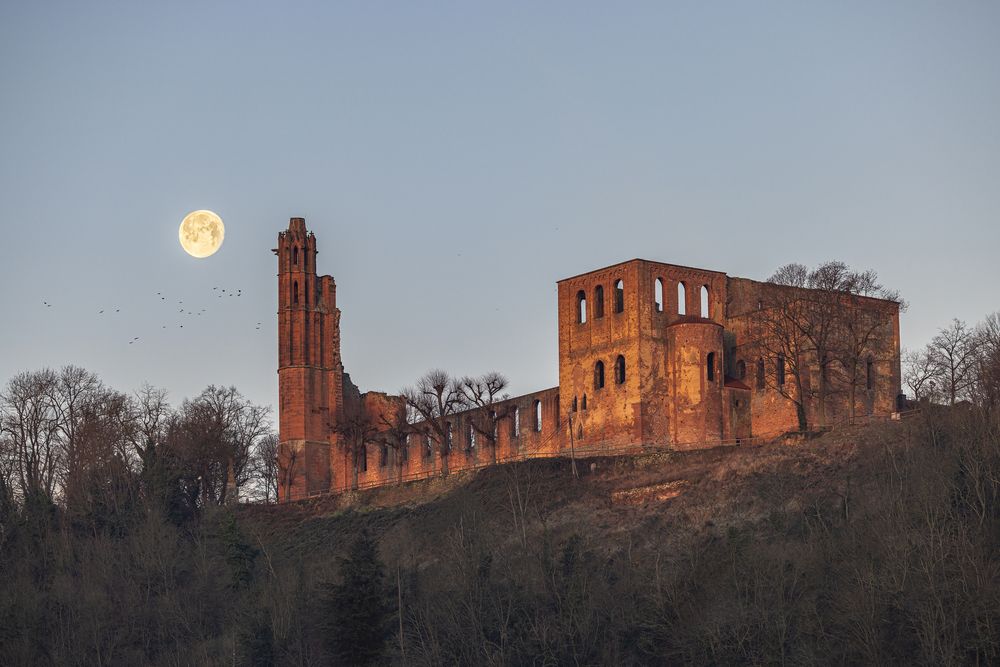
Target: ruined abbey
<point x="650" y="354"/>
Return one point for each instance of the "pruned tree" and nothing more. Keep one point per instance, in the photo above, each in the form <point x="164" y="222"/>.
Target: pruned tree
<point x="483" y="395"/>
<point x="435" y="399"/>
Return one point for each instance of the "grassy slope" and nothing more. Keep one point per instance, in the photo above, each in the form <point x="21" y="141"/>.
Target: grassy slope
<point x="720" y="489"/>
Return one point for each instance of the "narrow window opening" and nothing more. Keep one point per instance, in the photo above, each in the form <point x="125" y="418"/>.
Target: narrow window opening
<point x="538" y="416"/>
<point x="741" y="369"/>
<point x="574" y="404"/>
<point x="681" y="299"/>
<point x="705" y="308"/>
<point x="620" y="369"/>
<point x="870" y="374"/>
<point x="781" y="370"/>
<point x="295" y="255"/>
<point x="295" y="292"/>
<point x="583" y="403"/>
<point x="599" y="375"/>
<point x="472" y="437"/>
<point x="581" y="307"/>
<point x="658" y="295"/>
<point x="598" y="302"/>
<point x="710" y="366"/>
<point x="579" y="432"/>
<point x="515" y="423"/>
<point x="428" y="450"/>
<point x="619" y="296"/>
<point x="363" y="458"/>
<point x="404" y="451"/>
<point x="383" y="459"/>
<point x="760" y="373"/>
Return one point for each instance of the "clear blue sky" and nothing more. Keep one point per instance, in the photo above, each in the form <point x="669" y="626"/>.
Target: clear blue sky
<point x="456" y="159"/>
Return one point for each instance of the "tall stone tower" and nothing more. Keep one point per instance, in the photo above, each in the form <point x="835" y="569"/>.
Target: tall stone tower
<point x="310" y="371"/>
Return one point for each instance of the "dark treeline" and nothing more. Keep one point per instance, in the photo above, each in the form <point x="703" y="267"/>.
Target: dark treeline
<point x="898" y="566"/>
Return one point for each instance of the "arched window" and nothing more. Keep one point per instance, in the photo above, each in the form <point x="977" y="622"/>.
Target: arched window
<point x="741" y="369"/>
<point x="581" y="306"/>
<point x="538" y="416"/>
<point x="870" y="374"/>
<point x="598" y="302"/>
<point x="574" y="404"/>
<point x="658" y="295"/>
<point x="704" y="302"/>
<point x="579" y="432"/>
<point x="710" y="366"/>
<point x="295" y="255"/>
<point x="619" y="296"/>
<point x="295" y="291"/>
<point x="760" y="373"/>
<point x="363" y="459"/>
<point x="450" y="437"/>
<point x="620" y="369"/>
<point x="599" y="375"/>
<point x="583" y="403"/>
<point x="681" y="299"/>
<point x="515" y="423"/>
<point x="383" y="457"/>
<point x="781" y="370"/>
<point x="472" y="437"/>
<point x="428" y="450"/>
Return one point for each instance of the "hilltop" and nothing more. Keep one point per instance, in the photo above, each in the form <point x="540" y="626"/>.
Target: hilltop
<point x="867" y="543"/>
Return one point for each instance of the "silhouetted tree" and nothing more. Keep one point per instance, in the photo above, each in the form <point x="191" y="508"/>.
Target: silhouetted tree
<point x="357" y="608"/>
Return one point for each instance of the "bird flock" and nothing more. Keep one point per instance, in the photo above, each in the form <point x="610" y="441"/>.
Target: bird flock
<point x="180" y="314"/>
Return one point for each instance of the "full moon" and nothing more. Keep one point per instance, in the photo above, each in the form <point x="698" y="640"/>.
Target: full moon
<point x="201" y="233"/>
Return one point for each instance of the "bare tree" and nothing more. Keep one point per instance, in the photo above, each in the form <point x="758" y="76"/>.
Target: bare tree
<point x="809" y="320"/>
<point x="954" y="352"/>
<point x="483" y="395"/>
<point x="777" y="337"/>
<point x="394" y="430"/>
<point x="986" y="376"/>
<point x="264" y="467"/>
<point x="356" y="431"/>
<point x="864" y="316"/>
<point x="920" y="372"/>
<point x="215" y="433"/>
<point x="435" y="399"/>
<point x="30" y="423"/>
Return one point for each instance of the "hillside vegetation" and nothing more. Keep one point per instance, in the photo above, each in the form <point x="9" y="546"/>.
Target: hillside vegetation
<point x="869" y="544"/>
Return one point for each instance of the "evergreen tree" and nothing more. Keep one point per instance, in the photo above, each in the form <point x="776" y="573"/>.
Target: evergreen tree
<point x="357" y="609"/>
